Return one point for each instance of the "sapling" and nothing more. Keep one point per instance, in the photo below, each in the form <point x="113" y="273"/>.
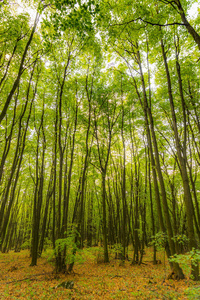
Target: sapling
<point x="159" y="241"/>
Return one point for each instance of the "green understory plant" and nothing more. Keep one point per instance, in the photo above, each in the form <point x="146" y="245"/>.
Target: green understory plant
<point x="182" y="240"/>
<point x="193" y="293"/>
<point x="70" y="247"/>
<point x="185" y="260"/>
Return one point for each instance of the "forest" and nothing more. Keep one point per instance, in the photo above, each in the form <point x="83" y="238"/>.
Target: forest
<point x="100" y="131"/>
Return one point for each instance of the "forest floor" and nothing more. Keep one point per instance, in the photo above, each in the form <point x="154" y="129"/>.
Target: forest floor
<point x="18" y="280"/>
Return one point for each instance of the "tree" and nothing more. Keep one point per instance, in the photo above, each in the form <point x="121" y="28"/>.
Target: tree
<point x="100" y="128"/>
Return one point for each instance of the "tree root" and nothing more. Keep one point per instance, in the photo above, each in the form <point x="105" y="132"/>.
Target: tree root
<point x="173" y="275"/>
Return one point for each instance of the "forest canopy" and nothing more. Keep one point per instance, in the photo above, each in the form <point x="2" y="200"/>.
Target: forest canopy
<point x="100" y="127"/>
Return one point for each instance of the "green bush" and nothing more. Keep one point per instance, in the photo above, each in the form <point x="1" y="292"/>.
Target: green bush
<point x="69" y="247"/>
<point x="26" y="245"/>
<point x="159" y="240"/>
<point x="185" y="260"/>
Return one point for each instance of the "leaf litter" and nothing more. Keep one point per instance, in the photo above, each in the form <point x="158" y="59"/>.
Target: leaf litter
<point x="18" y="280"/>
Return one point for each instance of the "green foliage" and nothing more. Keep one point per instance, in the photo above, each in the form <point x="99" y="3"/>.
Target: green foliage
<point x="47" y="243"/>
<point x="69" y="247"/>
<point x="71" y="15"/>
<point x="193" y="293"/>
<point x="101" y="64"/>
<point x="117" y="249"/>
<point x="181" y="239"/>
<point x="159" y="240"/>
<point x="26" y="245"/>
<point x="186" y="260"/>
<point x="89" y="253"/>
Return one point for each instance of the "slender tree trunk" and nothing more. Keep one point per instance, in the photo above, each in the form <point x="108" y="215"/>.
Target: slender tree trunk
<point x="38" y="194"/>
<point x="20" y="71"/>
<point x="105" y="240"/>
<point x="124" y="222"/>
<point x="46" y="210"/>
<point x="188" y="26"/>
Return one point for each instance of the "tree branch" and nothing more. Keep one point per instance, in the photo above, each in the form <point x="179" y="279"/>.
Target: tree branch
<point x="148" y="22"/>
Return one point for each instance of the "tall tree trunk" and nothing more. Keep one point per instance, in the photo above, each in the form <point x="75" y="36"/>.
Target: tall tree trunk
<point x="38" y="194"/>
<point x="20" y="71"/>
